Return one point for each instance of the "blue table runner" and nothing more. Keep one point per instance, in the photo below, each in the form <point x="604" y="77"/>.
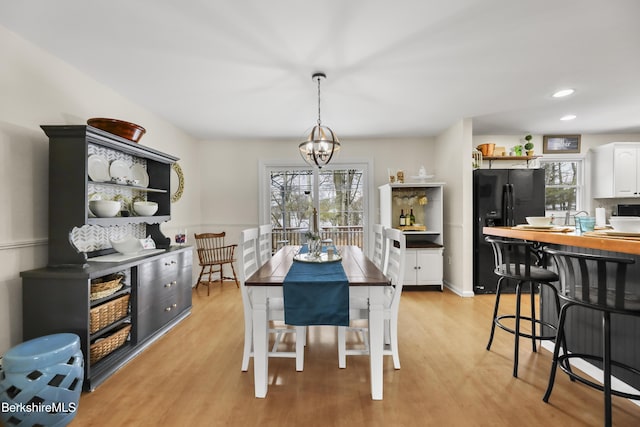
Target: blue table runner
<point x="316" y="294"/>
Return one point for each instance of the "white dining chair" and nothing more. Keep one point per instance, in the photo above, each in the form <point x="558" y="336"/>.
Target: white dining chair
<point x="378" y="257"/>
<point x="265" y="244"/>
<point x="394" y="270"/>
<point x="249" y="261"/>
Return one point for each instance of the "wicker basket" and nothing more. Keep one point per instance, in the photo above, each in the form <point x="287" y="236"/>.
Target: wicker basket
<point x="105" y="314"/>
<point x="105" y="286"/>
<point x="103" y="347"/>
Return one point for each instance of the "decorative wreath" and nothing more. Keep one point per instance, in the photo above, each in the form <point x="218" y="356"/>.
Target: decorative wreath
<point x="178" y="170"/>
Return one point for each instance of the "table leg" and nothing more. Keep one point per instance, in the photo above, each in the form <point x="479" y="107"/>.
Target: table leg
<point x="376" y="339"/>
<point x="260" y="341"/>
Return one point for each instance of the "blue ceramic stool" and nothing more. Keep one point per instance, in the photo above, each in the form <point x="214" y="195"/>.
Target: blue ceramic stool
<point x="41" y="381"/>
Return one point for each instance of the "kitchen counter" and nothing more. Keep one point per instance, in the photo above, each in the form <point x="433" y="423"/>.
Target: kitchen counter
<point x="568" y="239"/>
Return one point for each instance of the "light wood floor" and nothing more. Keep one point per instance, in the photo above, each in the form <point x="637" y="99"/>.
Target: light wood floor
<point x="192" y="377"/>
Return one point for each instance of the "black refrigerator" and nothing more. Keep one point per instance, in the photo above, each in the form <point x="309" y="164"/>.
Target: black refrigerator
<point x="501" y="197"/>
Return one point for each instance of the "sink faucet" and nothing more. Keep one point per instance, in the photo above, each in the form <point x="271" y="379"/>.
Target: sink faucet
<point x="568" y="216"/>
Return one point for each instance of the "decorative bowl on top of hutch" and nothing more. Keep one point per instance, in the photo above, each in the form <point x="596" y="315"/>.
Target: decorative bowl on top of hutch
<point x="152" y="292"/>
<point x="424" y="256"/>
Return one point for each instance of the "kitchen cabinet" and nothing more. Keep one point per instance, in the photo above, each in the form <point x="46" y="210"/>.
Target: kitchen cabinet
<point x="156" y="291"/>
<point x="615" y="170"/>
<point x="423" y="267"/>
<point x="424" y="256"/>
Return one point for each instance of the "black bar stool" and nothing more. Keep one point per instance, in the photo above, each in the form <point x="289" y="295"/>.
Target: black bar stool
<point x="594" y="282"/>
<point x="513" y="260"/>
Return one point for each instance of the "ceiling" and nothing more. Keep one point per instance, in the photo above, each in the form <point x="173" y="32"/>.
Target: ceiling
<point x="232" y="69"/>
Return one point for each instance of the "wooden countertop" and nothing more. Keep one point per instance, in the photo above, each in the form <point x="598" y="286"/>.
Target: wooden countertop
<point x="568" y="239"/>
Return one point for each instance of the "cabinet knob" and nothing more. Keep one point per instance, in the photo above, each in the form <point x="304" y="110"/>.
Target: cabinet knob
<point x="174" y="282"/>
<point x="174" y="305"/>
<point x="168" y="285"/>
<point x="167" y="309"/>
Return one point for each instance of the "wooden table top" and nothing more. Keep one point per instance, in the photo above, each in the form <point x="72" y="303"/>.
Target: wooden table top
<point x="568" y="239"/>
<point x="360" y="270"/>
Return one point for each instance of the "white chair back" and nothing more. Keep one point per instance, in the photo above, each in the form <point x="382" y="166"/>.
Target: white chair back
<point x="265" y="244"/>
<point x="378" y="257"/>
<point x="396" y="245"/>
<point x="248" y="256"/>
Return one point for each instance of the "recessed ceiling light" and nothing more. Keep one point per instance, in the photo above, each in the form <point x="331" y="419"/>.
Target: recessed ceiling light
<point x="563" y="93"/>
<point x="568" y="117"/>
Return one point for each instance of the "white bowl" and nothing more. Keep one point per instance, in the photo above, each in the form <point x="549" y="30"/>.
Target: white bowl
<point x="104" y="208"/>
<point x="539" y="221"/>
<point x="145" y="208"/>
<point x="625" y="224"/>
<point x="128" y="245"/>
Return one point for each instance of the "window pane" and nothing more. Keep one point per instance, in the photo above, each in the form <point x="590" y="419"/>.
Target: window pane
<point x="291" y="198"/>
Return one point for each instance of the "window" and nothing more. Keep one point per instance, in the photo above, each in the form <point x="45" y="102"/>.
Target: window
<point x="338" y="192"/>
<point x="563" y="185"/>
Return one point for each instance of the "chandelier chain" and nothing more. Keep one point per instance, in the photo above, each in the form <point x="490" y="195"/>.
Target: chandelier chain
<point x="319" y="121"/>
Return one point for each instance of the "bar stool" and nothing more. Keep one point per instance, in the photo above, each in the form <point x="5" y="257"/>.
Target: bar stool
<point x="592" y="282"/>
<point x="513" y="261"/>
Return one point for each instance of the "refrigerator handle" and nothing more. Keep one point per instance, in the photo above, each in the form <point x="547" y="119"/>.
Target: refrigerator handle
<point x="505" y="204"/>
<point x="512" y="220"/>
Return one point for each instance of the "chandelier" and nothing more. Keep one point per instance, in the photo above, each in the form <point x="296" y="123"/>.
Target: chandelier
<point x="321" y="144"/>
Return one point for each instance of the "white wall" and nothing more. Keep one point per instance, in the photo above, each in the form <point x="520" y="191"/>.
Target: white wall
<point x="36" y="89"/>
<point x="230" y="173"/>
<point x="453" y="157"/>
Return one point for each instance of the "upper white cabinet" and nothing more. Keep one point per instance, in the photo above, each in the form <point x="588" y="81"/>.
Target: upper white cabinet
<point x="615" y="170"/>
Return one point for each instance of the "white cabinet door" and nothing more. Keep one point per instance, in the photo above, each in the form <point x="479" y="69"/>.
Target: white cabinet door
<point x="429" y="269"/>
<point x="625" y="172"/>
<point x="423" y="267"/>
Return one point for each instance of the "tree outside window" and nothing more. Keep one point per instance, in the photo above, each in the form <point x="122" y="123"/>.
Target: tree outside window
<point x="340" y="203"/>
<point x="563" y="186"/>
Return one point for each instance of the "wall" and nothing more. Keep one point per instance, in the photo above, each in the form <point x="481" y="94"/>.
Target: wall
<point x="231" y="172"/>
<point x="452" y="153"/>
<point x="36" y="89"/>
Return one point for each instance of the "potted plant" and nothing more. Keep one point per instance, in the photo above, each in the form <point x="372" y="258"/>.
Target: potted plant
<point x="517" y="150"/>
<point x="529" y="145"/>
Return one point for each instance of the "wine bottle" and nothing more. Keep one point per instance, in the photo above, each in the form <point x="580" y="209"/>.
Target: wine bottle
<point x="403" y="219"/>
<point x="412" y="219"/>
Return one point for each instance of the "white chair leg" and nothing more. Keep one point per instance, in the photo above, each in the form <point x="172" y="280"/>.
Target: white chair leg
<point x="248" y="346"/>
<point x="387" y="332"/>
<point x="300" y="342"/>
<point x="393" y="332"/>
<point x="342" y="347"/>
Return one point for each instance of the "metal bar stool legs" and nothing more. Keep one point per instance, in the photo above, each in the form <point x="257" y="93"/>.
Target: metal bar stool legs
<point x="518" y="317"/>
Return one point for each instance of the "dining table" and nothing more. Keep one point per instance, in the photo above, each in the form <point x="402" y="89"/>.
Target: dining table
<point x="365" y="280"/>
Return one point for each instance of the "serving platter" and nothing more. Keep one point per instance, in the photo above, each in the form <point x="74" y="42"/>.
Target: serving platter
<point x="306" y="257"/>
<point x="98" y="168"/>
<point x="139" y="173"/>
<point x="119" y="169"/>
<point x="547" y="228"/>
<point x="617" y="233"/>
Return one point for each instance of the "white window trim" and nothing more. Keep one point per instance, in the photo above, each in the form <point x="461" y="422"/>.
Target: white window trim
<point x="264" y="184"/>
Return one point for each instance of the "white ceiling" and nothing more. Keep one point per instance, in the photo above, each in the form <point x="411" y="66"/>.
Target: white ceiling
<point x="242" y="68"/>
